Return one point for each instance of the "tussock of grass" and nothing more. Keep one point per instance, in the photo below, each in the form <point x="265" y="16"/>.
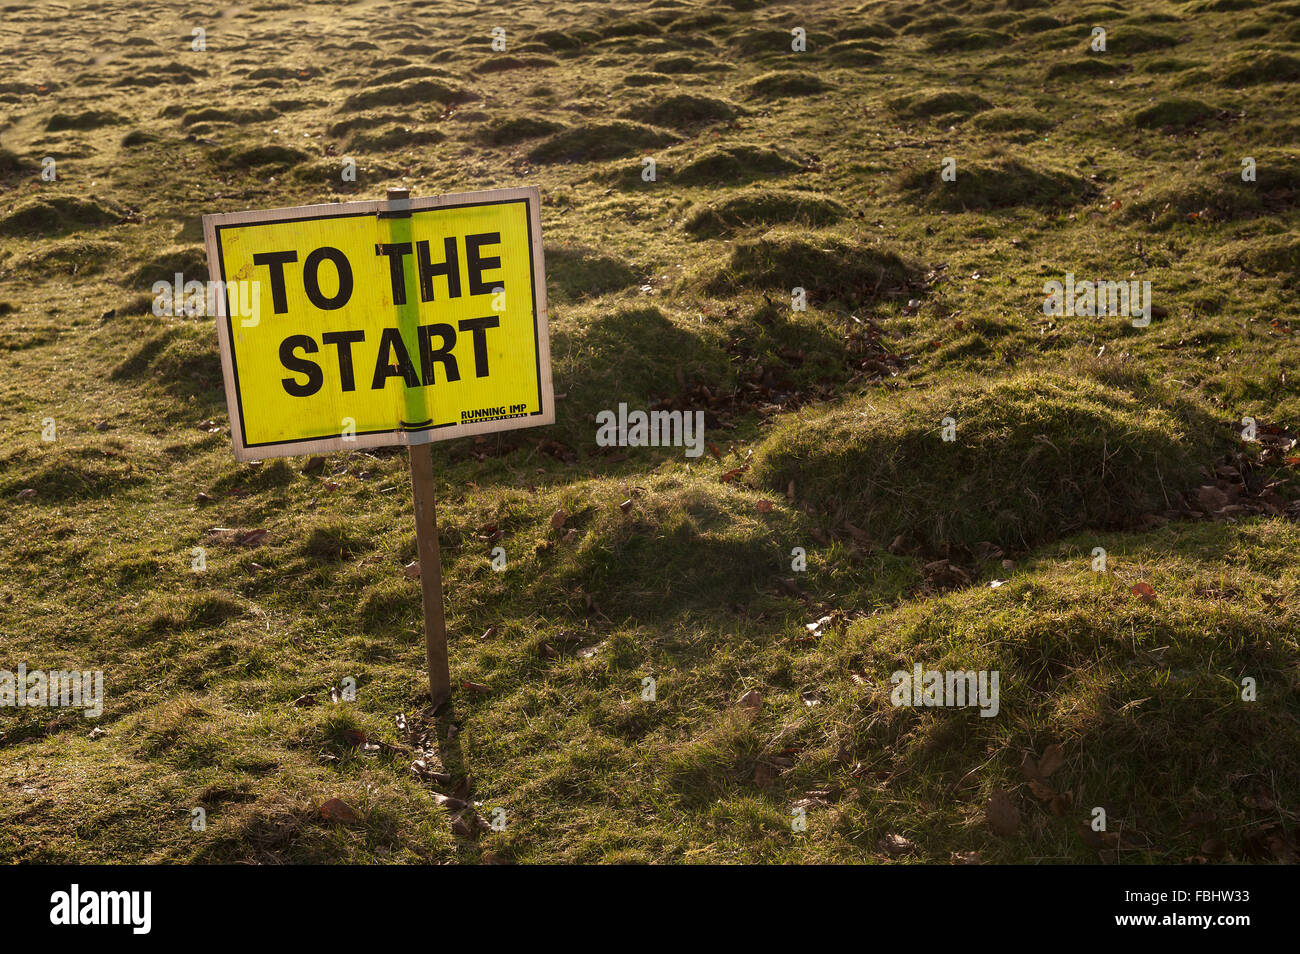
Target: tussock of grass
<point x="1034" y="457"/>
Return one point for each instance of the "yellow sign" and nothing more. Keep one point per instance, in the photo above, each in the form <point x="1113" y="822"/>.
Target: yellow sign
<point x="361" y="324"/>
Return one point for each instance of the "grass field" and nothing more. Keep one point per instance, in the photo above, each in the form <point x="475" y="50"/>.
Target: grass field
<point x="1157" y="680"/>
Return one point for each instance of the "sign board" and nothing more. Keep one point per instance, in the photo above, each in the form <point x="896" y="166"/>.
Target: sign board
<point x="362" y="324"/>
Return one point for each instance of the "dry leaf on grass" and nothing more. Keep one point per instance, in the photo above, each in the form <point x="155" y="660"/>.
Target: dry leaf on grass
<point x="339" y="811"/>
<point x="1001" y="814"/>
<point x="1144" y="591"/>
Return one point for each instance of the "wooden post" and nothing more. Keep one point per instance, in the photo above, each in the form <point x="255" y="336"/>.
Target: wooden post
<point x="397" y="211"/>
<point x="426" y="538"/>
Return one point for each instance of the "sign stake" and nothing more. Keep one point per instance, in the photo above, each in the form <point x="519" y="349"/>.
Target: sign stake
<point x="426" y="538"/>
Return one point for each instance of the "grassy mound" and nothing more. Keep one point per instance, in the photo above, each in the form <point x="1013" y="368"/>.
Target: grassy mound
<point x="411" y="93"/>
<point x="181" y="360"/>
<point x="687" y="64"/>
<point x="191" y="261"/>
<point x="215" y="114"/>
<point x="1005" y="184"/>
<point x="515" y="129"/>
<point x="596" y="141"/>
<point x="781" y="84"/>
<point x="87" y="119"/>
<point x="964" y="38"/>
<point x="1253" y="70"/>
<point x="263" y="156"/>
<point x="828" y="268"/>
<point x="1174" y="113"/>
<point x="763" y="206"/>
<point x="1223" y="196"/>
<point x="1034" y="457"/>
<point x="854" y="53"/>
<point x="929" y="104"/>
<point x="1083" y="68"/>
<point x="1132" y="692"/>
<point x="1272" y="255"/>
<point x="684" y="111"/>
<point x="630" y="354"/>
<point x="1026" y="123"/>
<point x="1128" y="40"/>
<point x="735" y="164"/>
<point x="61" y="471"/>
<point x="574" y="273"/>
<point x="57" y="214"/>
<point x="70" y="256"/>
<point x="393" y="138"/>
